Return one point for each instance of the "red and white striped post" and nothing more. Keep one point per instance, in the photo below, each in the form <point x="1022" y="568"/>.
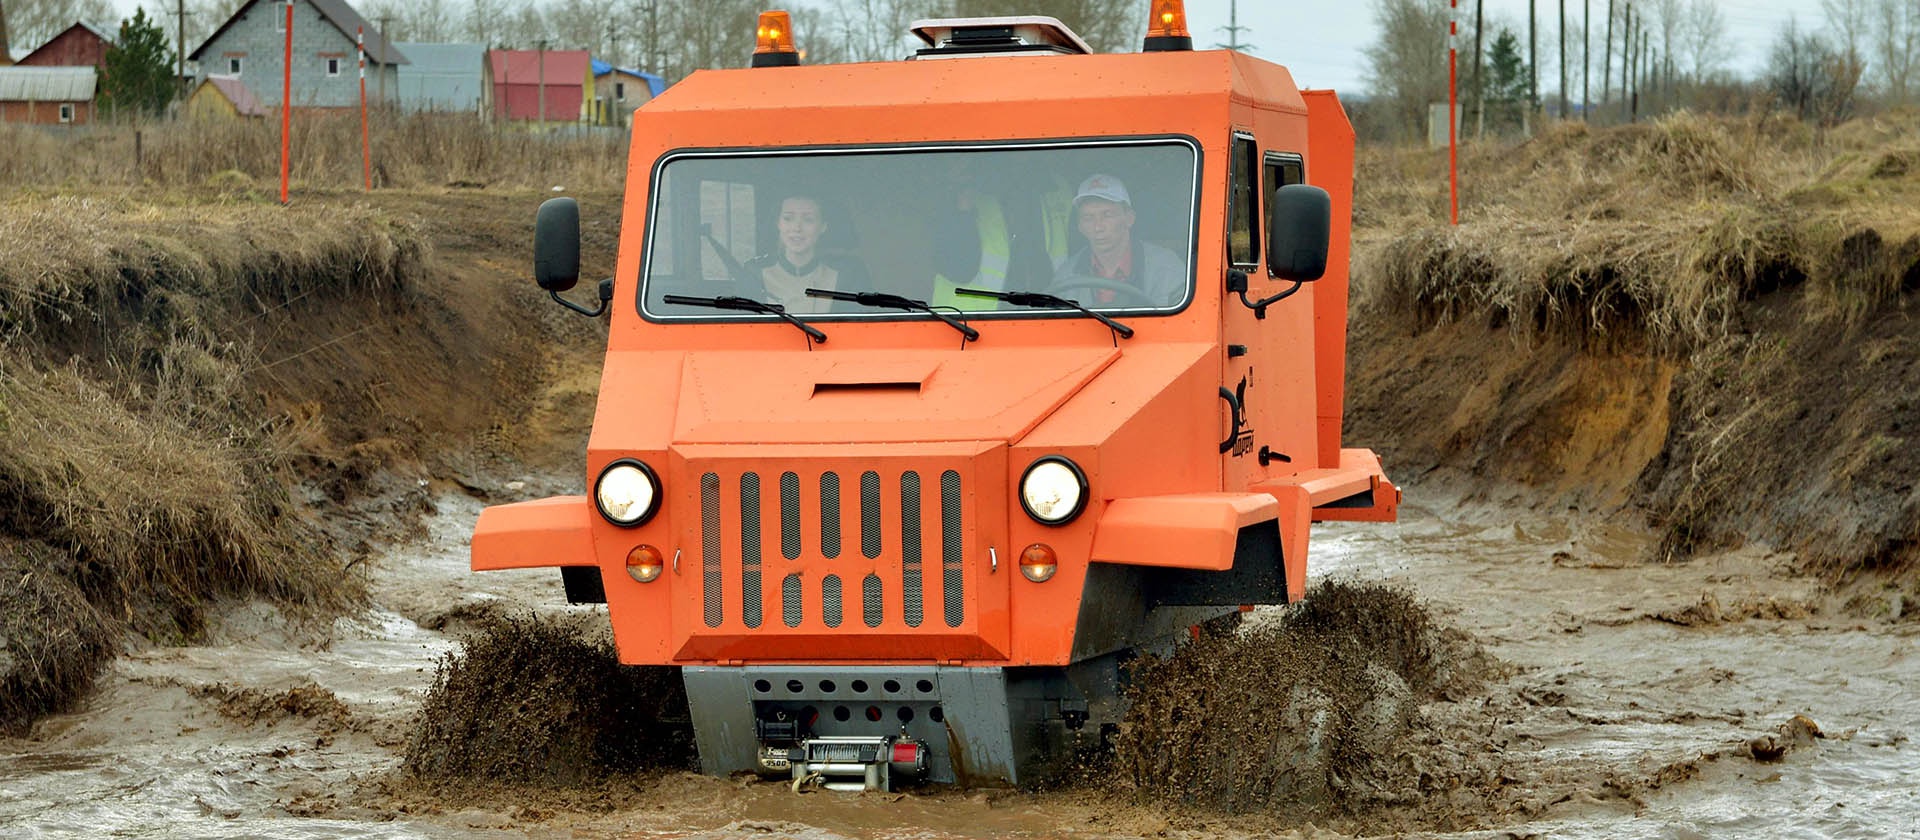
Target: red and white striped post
<point x="1453" y="110"/>
<point x="366" y="146"/>
<point x="286" y="105"/>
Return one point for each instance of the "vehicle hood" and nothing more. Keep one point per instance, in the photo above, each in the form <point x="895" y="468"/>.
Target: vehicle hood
<point x="877" y="396"/>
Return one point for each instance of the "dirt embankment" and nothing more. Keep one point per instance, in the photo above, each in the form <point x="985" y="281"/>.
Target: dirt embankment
<point x="204" y="396"/>
<point x="1710" y="322"/>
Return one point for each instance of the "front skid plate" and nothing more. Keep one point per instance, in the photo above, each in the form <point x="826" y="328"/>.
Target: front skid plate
<point x="983" y="726"/>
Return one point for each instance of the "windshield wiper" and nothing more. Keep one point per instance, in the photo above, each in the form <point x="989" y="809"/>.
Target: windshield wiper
<point x="891" y="301"/>
<point x="1042" y="300"/>
<point x="748" y="305"/>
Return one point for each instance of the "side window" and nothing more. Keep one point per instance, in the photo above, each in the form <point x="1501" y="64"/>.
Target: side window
<point x="1243" y="240"/>
<point x="1282" y="168"/>
<point x="66" y="112"/>
<point x="233" y="67"/>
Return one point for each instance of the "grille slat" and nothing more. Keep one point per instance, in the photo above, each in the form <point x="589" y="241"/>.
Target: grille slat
<point x="870" y="514"/>
<point x="830" y="600"/>
<point x="872" y="610"/>
<point x="830" y="515"/>
<point x="710" y="606"/>
<point x="913" y="606"/>
<point x="751" y="601"/>
<point x="953" y="578"/>
<point x="790" y="609"/>
<point x="790" y="516"/>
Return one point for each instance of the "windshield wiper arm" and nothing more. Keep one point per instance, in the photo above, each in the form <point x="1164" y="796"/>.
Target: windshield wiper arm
<point x="892" y="301"/>
<point x="1038" y="300"/>
<point x="748" y="305"/>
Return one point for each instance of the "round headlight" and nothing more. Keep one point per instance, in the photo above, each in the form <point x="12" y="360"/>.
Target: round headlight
<point x="1053" y="491"/>
<point x="627" y="493"/>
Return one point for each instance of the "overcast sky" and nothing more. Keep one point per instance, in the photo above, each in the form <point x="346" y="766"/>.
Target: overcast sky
<point x="1323" y="43"/>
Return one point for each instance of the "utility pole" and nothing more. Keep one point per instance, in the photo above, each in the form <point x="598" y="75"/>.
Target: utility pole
<point x="542" y="118"/>
<point x="1626" y="64"/>
<point x="180" y="41"/>
<point x="1233" y="28"/>
<point x="1563" y="59"/>
<point x="1533" y="63"/>
<point x="1606" y="60"/>
<point x="1586" y="61"/>
<point x="385" y="42"/>
<point x="1479" y="87"/>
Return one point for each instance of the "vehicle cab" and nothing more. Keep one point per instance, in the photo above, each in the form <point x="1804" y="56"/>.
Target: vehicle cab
<point x="935" y="390"/>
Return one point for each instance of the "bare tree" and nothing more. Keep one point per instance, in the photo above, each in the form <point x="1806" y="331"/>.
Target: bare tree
<point x="1704" y="39"/>
<point x="1849" y="21"/>
<point x="1407" y="67"/>
<point x="1811" y="76"/>
<point x="31" y="23"/>
<point x="1896" y="49"/>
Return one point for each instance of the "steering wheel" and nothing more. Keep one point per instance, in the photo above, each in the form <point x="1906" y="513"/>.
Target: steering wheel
<point x="1127" y="295"/>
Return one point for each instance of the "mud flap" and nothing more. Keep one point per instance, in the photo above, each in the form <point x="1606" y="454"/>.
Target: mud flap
<point x="584" y="585"/>
<point x="1258" y="575"/>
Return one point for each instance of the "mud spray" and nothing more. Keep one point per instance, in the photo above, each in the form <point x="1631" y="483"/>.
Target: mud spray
<point x="1315" y="714"/>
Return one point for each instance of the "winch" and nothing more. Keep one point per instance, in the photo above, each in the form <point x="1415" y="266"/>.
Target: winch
<point x="851" y="762"/>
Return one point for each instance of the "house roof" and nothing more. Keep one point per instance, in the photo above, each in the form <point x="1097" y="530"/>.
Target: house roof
<point x="109" y="37"/>
<point x="655" y="82"/>
<point x="522" y="67"/>
<point x="337" y="12"/>
<point x="237" y="93"/>
<point x="47" y="84"/>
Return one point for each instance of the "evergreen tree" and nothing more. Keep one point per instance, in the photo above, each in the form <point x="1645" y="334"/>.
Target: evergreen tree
<point x="139" y="69"/>
<point x="1506" y="82"/>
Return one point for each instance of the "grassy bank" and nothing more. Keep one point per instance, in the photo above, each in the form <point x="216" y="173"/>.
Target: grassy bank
<point x="197" y="390"/>
<point x="1709" y="320"/>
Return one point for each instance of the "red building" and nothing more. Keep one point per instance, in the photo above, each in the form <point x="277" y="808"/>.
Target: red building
<point x="81" y="45"/>
<point x="519" y="80"/>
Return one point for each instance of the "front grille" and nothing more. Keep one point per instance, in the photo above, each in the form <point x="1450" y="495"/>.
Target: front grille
<point x="801" y="599"/>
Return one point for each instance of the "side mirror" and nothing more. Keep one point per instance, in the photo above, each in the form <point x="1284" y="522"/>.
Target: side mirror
<point x="556" y="244"/>
<point x="1302" y="223"/>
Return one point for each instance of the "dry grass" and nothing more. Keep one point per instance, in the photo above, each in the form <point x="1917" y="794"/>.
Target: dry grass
<point x="408" y="151"/>
<point x="1650" y="234"/>
<point x="132" y="437"/>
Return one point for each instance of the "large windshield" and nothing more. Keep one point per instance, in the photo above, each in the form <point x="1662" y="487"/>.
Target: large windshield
<point x="1109" y="225"/>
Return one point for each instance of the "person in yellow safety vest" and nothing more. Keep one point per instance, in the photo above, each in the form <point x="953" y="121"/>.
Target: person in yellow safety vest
<point x="1007" y="242"/>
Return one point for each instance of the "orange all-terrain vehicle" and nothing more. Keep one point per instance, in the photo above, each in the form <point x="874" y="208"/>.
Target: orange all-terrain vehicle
<point x="937" y="390"/>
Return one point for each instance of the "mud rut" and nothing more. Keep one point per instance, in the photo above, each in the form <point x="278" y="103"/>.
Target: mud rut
<point x="1627" y="700"/>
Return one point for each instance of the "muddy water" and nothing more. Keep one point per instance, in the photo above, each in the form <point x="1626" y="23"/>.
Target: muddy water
<point x="1635" y="689"/>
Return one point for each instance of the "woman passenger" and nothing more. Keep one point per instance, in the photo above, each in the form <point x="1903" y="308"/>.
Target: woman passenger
<point x="798" y="265"/>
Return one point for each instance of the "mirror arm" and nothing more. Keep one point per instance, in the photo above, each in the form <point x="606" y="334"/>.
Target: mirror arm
<point x="606" y="297"/>
<point x="1237" y="283"/>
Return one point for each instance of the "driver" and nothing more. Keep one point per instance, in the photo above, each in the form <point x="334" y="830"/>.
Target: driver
<point x="1103" y="212"/>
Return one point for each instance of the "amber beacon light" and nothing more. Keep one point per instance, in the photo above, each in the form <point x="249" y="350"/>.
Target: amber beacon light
<point x="1167" y="30"/>
<point x="775" y="41"/>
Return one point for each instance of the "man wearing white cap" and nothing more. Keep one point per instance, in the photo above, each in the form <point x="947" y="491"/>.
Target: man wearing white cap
<point x="1115" y="268"/>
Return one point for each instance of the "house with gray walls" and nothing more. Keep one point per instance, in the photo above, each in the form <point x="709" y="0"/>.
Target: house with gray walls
<point x="251" y="44"/>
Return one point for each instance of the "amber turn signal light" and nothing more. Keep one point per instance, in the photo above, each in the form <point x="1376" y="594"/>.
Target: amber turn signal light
<point x="644" y="563"/>
<point x="1038" y="562"/>
<point x="773" y="45"/>
<point x="1167" y="29"/>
